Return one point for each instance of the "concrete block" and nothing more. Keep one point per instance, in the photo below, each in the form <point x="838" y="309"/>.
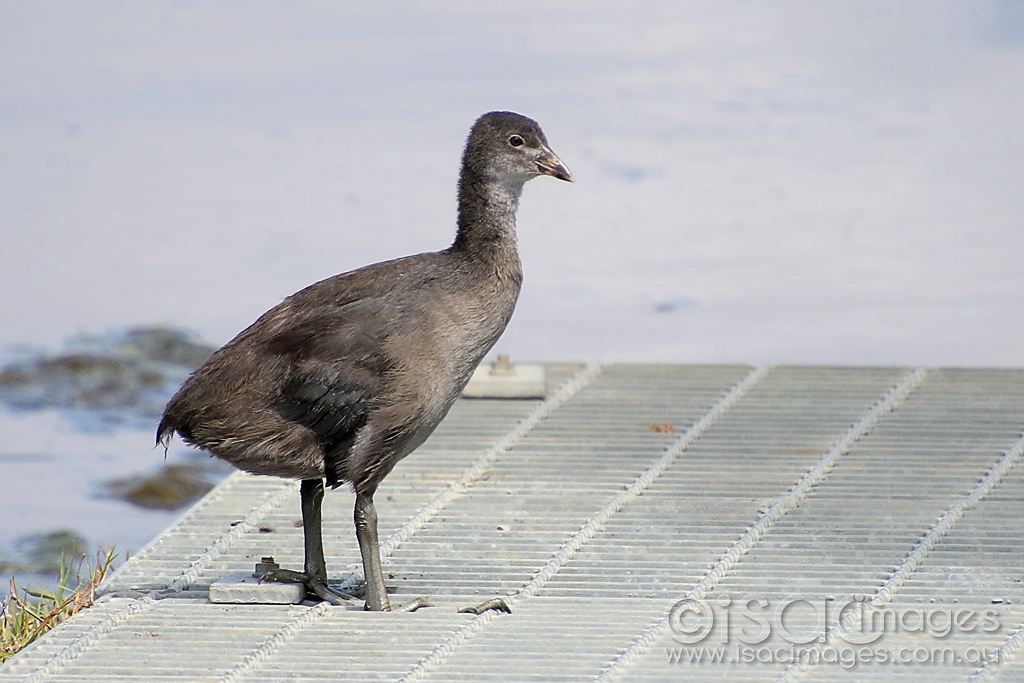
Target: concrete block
<point x="503" y="379"/>
<point x="243" y="587"/>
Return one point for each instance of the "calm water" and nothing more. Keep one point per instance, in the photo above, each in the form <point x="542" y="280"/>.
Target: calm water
<point x="756" y="182"/>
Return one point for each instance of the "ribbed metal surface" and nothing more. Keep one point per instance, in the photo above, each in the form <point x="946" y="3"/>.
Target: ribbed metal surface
<point x="595" y="518"/>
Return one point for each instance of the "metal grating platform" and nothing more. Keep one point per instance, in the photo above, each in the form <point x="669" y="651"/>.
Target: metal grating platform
<point x="599" y="509"/>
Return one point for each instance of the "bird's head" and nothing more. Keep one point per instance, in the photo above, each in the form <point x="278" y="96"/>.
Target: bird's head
<point x="511" y="148"/>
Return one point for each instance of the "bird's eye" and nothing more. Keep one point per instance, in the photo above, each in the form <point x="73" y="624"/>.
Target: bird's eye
<point x="516" y="141"/>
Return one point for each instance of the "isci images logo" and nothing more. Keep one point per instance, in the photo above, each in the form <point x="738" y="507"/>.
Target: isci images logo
<point x="847" y="631"/>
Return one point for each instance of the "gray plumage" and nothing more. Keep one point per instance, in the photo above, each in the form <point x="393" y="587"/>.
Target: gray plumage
<point x="346" y="377"/>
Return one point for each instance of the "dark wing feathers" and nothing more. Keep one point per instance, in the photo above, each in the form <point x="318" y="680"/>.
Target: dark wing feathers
<point x="339" y="370"/>
<point x="333" y="412"/>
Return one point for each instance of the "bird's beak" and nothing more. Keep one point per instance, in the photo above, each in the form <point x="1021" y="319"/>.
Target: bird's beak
<point x="549" y="164"/>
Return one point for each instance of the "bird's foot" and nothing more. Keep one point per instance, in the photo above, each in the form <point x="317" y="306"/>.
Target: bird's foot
<point x="414" y="605"/>
<point x="314" y="585"/>
<point x="494" y="603"/>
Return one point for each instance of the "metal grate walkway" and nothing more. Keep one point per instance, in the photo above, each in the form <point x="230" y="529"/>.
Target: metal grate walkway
<point x="604" y="513"/>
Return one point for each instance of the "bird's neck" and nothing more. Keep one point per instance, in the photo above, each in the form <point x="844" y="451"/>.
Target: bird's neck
<point x="487" y="218"/>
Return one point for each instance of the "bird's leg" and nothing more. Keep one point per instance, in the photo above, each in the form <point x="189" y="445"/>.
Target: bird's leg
<point x="315" y="575"/>
<point x="312" y="495"/>
<point x="366" y="532"/>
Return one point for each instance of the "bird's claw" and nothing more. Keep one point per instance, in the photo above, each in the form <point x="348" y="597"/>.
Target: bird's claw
<point x="314" y="585"/>
<point x="497" y="604"/>
<point x="414" y="605"/>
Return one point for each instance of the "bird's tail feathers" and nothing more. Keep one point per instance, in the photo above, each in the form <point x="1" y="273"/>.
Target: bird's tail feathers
<point x="164" y="434"/>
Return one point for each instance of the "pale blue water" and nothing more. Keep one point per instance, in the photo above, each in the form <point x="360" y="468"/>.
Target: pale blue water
<point x="802" y="182"/>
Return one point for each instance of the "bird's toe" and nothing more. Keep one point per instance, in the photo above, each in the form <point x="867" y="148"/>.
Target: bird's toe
<point x="414" y="605"/>
<point x="497" y="604"/>
<point x="314" y="585"/>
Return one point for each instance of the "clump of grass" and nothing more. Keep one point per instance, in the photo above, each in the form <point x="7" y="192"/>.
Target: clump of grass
<point x="27" y="614"/>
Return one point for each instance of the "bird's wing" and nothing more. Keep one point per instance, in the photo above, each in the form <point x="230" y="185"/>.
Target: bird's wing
<point x="338" y="370"/>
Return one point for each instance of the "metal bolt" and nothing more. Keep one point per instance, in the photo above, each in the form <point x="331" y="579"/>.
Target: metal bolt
<point x="503" y="366"/>
<point x="265" y="566"/>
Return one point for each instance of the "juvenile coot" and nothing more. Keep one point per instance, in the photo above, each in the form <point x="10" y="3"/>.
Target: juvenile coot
<point x="345" y="378"/>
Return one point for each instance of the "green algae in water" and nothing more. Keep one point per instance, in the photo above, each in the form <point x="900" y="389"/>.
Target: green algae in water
<point x="117" y="379"/>
<point x="42" y="554"/>
<point x="170" y="488"/>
